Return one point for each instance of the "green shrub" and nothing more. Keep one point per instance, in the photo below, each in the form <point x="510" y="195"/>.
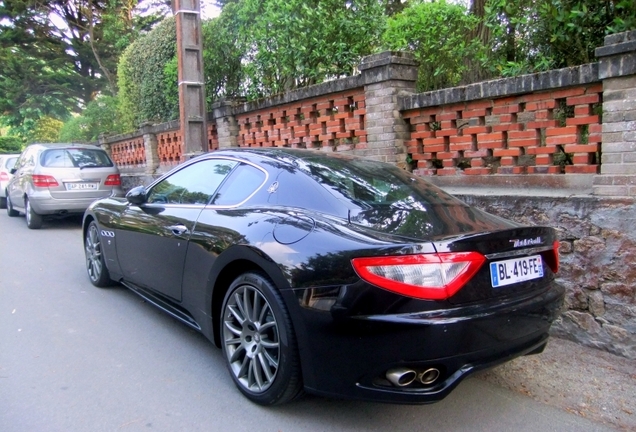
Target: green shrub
<point x="143" y="89"/>
<point x="437" y="33"/>
<point x="10" y="144"/>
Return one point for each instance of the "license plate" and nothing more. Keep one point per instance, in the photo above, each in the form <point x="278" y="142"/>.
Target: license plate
<point x="82" y="186"/>
<point x="516" y="270"/>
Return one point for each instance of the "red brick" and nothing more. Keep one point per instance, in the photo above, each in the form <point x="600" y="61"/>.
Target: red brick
<point x="534" y="97"/>
<point x="476" y="154"/>
<point x="560" y="94"/>
<point x="544" y="170"/>
<point x="541" y="105"/>
<point x="433" y="141"/>
<point x="507" y="127"/>
<point x="446" y="132"/>
<point x="461" y="139"/>
<point x="585" y="99"/>
<point x="582" y="111"/>
<point x="582" y="159"/>
<point x="447" y="155"/>
<point x="471" y="113"/>
<point x="582" y="169"/>
<point x="507" y="109"/>
<point x="507" y="152"/>
<point x="460" y="146"/>
<point x="490" y="144"/>
<point x="594" y="88"/>
<point x="477" y="171"/>
<point x="446" y="116"/>
<point x="362" y="134"/>
<point x="541" y="150"/>
<point x="595" y="128"/>
<point x="448" y="163"/>
<point x="595" y="138"/>
<point x="477" y="162"/>
<point x="527" y="134"/>
<point x="423" y="134"/>
<point x="479" y="104"/>
<point x="568" y="130"/>
<point x="496" y="136"/>
<point x="523" y="142"/>
<point x="582" y="148"/>
<point x="561" y="139"/>
<point x="543" y="159"/>
<point x="542" y="124"/>
<point x="582" y="120"/>
<point x="508" y="161"/>
<point x="511" y="170"/>
<point x="432" y="148"/>
<point x="476" y="130"/>
<point x="447" y="171"/>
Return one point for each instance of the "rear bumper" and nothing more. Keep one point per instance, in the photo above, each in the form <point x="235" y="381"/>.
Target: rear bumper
<point x="350" y="357"/>
<point x="44" y="204"/>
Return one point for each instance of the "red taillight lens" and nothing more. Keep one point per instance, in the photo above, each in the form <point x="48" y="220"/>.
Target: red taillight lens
<point x="4" y="176"/>
<point x="427" y="276"/>
<point x="113" y="180"/>
<point x="44" y="181"/>
<point x="552" y="257"/>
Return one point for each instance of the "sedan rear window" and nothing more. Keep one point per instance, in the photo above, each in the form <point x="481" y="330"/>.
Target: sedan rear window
<point x="75" y="158"/>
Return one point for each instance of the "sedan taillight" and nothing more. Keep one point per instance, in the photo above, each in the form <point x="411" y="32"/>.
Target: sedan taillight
<point x="44" y="181"/>
<point x="426" y="276"/>
<point x="113" y="180"/>
<point x="4" y="176"/>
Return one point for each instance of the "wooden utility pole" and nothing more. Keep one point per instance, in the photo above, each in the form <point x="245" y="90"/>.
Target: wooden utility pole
<point x="194" y="130"/>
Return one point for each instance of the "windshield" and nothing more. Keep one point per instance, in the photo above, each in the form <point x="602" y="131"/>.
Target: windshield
<point x="75" y="158"/>
<point x="391" y="200"/>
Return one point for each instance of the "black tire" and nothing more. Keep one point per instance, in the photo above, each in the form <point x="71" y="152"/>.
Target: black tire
<point x="33" y="220"/>
<point x="3" y="202"/>
<point x="95" y="263"/>
<point x="10" y="210"/>
<point x="258" y="342"/>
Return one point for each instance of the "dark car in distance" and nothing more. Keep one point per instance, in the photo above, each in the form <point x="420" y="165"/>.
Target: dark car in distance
<point x="329" y="274"/>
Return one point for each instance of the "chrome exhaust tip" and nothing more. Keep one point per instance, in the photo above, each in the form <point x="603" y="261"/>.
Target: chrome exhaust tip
<point x="429" y="376"/>
<point x="401" y="377"/>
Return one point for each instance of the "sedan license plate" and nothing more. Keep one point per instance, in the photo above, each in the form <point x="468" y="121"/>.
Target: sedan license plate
<point x="516" y="270"/>
<point x="81" y="186"/>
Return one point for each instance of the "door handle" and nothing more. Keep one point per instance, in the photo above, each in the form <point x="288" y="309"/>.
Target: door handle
<point x="178" y="229"/>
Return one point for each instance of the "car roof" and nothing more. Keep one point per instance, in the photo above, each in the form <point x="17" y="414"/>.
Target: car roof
<point x="64" y="145"/>
<point x="280" y="154"/>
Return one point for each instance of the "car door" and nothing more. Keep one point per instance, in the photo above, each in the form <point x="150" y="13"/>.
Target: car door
<point x="152" y="238"/>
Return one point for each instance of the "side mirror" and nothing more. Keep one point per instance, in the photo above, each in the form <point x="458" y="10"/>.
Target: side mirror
<point x="13" y="171"/>
<point x="137" y="195"/>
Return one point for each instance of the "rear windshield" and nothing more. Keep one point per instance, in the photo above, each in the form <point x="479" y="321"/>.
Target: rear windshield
<point x="75" y="158"/>
<point x="389" y="199"/>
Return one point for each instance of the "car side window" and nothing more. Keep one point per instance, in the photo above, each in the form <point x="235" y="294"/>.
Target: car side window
<point x="240" y="185"/>
<point x="193" y="184"/>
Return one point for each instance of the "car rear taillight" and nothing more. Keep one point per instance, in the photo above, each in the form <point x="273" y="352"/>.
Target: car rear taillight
<point x="113" y="180"/>
<point x="4" y="176"/>
<point x="44" y="181"/>
<point x="551" y="257"/>
<point x="426" y="276"/>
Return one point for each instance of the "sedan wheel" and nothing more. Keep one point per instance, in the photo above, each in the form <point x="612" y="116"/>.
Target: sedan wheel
<point x="95" y="264"/>
<point x="33" y="220"/>
<point x="258" y="342"/>
<point x="10" y="210"/>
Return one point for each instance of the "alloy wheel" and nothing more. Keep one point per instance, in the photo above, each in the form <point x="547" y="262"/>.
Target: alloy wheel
<point x="251" y="338"/>
<point x="93" y="248"/>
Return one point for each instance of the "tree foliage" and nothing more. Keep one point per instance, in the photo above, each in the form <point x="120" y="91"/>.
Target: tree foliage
<point x="58" y="55"/>
<point x="144" y="91"/>
<point x="436" y="34"/>
<point x="100" y="116"/>
<point x="10" y="144"/>
<point x="536" y="35"/>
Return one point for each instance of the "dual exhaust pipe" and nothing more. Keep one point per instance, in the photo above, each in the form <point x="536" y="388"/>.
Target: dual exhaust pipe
<point x="402" y="377"/>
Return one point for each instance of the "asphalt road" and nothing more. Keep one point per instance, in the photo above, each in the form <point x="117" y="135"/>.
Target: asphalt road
<point x="78" y="358"/>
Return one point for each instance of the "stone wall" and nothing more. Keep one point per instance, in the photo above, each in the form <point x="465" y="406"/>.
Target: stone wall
<point x="598" y="252"/>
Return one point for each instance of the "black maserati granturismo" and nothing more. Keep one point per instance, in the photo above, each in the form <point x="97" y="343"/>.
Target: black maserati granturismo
<point x="330" y="274"/>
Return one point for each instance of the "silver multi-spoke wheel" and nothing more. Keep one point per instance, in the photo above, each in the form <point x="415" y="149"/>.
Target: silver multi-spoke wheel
<point x="251" y="338"/>
<point x="93" y="253"/>
<point x="95" y="263"/>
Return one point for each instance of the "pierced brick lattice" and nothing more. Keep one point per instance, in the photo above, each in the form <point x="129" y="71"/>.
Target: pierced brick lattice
<point x="129" y="153"/>
<point x="550" y="132"/>
<point x="213" y="137"/>
<point x="169" y="147"/>
<point x="335" y="122"/>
